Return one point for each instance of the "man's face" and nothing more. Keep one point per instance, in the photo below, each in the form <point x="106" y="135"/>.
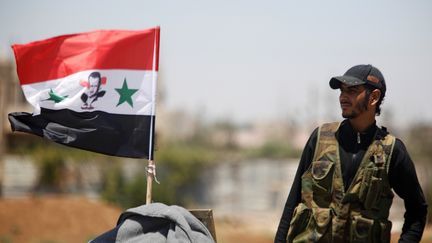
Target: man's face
<point x="93" y="85"/>
<point x="353" y="100"/>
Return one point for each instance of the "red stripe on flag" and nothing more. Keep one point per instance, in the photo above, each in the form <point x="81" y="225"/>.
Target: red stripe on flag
<point x="61" y="56"/>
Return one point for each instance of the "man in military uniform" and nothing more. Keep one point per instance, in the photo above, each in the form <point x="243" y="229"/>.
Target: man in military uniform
<point x="342" y="191"/>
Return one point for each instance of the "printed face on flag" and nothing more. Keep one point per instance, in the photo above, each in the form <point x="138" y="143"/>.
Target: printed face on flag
<point x="94" y="83"/>
<point x="95" y="91"/>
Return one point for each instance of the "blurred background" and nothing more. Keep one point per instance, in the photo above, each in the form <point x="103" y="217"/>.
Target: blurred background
<point x="241" y="86"/>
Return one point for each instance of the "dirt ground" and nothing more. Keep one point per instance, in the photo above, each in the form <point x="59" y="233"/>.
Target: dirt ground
<point x="54" y="219"/>
<point x="76" y="219"/>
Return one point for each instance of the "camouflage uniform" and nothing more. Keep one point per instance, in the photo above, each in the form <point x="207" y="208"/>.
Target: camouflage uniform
<point x="328" y="213"/>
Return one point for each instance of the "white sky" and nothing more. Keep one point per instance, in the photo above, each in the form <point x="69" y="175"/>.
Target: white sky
<point x="254" y="59"/>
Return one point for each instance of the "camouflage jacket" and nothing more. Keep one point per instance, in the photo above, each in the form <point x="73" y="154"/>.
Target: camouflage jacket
<point x="328" y="212"/>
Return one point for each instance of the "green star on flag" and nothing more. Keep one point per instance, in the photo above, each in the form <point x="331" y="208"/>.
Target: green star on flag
<point x="125" y="94"/>
<point x="55" y="97"/>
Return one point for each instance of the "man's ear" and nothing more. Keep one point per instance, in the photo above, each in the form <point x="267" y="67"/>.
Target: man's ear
<point x="375" y="96"/>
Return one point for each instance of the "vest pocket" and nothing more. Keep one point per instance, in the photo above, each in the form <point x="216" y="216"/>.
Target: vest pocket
<point x="323" y="219"/>
<point x="371" y="188"/>
<point x="373" y="195"/>
<point x="364" y="186"/>
<point x="300" y="220"/>
<point x="310" y="225"/>
<point x="320" y="169"/>
<point x="364" y="230"/>
<point x="361" y="229"/>
<point x="322" y="174"/>
<point x="385" y="230"/>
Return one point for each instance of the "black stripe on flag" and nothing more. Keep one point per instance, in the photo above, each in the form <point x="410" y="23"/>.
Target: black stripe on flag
<point x="97" y="131"/>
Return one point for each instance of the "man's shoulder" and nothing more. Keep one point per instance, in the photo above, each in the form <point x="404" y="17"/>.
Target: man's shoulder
<point x="331" y="123"/>
<point x="331" y="127"/>
<point x="399" y="145"/>
<point x="399" y="148"/>
<point x="383" y="132"/>
<point x="328" y="127"/>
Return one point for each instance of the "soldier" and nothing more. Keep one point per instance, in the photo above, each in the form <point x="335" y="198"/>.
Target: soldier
<point x="342" y="191"/>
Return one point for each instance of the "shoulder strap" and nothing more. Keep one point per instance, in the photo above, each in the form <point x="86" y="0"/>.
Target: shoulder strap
<point x="387" y="145"/>
<point x="326" y="141"/>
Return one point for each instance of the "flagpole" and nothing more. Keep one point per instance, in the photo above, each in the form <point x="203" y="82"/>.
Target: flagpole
<point x="149" y="181"/>
<point x="151" y="167"/>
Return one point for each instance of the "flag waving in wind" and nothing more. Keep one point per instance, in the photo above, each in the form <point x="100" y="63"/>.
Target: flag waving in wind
<point x="95" y="91"/>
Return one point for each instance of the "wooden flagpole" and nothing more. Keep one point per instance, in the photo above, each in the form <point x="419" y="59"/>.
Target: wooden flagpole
<point x="151" y="167"/>
<point x="150" y="176"/>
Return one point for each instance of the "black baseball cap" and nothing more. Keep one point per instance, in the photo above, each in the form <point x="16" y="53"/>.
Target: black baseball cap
<point x="358" y="75"/>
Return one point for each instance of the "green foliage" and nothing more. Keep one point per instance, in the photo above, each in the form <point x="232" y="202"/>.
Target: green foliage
<point x="51" y="159"/>
<point x="135" y="190"/>
<point x="35" y="147"/>
<point x="124" y="193"/>
<point x="50" y="163"/>
<point x="273" y="150"/>
<point x="178" y="167"/>
<point x="114" y="185"/>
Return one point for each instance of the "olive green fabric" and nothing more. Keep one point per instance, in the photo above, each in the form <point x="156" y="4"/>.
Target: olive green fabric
<point x="328" y="213"/>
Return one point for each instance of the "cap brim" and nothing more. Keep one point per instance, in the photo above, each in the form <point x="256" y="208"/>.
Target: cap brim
<point x="336" y="82"/>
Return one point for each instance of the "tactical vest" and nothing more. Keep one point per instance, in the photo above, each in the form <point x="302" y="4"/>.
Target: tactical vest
<point x="328" y="213"/>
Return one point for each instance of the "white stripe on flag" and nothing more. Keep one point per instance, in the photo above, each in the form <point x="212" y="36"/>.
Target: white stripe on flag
<point x="71" y="89"/>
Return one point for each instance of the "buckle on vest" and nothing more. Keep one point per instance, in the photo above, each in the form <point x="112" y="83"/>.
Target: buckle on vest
<point x="379" y="155"/>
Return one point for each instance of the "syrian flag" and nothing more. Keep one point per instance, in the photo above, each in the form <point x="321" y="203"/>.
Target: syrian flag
<point x="94" y="91"/>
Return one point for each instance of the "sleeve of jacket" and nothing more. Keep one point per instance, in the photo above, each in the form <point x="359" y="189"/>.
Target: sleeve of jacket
<point x="294" y="196"/>
<point x="403" y="179"/>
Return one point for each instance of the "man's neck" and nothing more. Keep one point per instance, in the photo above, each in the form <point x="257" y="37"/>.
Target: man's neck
<point x="361" y="124"/>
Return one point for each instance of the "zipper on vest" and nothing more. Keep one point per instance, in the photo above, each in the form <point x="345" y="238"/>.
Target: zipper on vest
<point x="358" y="138"/>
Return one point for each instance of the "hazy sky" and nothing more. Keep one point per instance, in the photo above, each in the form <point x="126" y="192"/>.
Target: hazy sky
<point x="257" y="59"/>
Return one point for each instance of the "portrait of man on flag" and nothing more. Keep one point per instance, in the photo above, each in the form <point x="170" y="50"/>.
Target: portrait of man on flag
<point x="93" y="91"/>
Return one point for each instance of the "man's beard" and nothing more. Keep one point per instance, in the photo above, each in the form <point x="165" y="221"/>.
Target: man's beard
<point x="358" y="109"/>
